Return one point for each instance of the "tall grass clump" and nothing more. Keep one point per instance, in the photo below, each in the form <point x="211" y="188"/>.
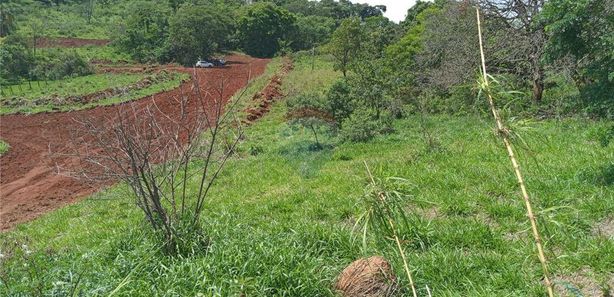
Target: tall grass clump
<point x="386" y="217"/>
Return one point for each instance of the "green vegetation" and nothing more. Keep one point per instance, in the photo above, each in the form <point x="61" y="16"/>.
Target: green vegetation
<point x="144" y="43"/>
<point x="261" y="28"/>
<point x="573" y="25"/>
<point x="22" y="62"/>
<point x="346" y="44"/>
<point x="4" y="147"/>
<point x="73" y="86"/>
<point x="289" y="211"/>
<point x="65" y="18"/>
<point x="285" y="216"/>
<point x="103" y="54"/>
<point x="39" y="96"/>
<point x="188" y="42"/>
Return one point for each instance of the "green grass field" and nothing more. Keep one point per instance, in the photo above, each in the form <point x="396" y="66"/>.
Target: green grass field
<point x="72" y="86"/>
<point x="280" y="222"/>
<point x="70" y="19"/>
<point x="39" y="97"/>
<point x="106" y="54"/>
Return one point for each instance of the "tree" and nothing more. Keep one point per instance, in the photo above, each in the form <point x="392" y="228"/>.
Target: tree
<point x="262" y="26"/>
<point x="8" y="11"/>
<point x="520" y="19"/>
<point x="339" y="100"/>
<point x="439" y="52"/>
<point x="584" y="30"/>
<point x="380" y="32"/>
<point x="414" y="11"/>
<point x="401" y="56"/>
<point x="346" y="43"/>
<point x="311" y="31"/>
<point x="15" y="58"/>
<point x="175" y="4"/>
<point x="35" y="30"/>
<point x="366" y="11"/>
<point x="198" y="31"/>
<point x="145" y="31"/>
<point x="88" y="9"/>
<point x="449" y="54"/>
<point x="303" y="7"/>
<point x="309" y="111"/>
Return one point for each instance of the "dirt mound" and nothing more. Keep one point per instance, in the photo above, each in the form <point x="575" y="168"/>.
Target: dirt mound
<point x="44" y="42"/>
<point x="271" y="93"/>
<point x="29" y="182"/>
<point x="367" y="277"/>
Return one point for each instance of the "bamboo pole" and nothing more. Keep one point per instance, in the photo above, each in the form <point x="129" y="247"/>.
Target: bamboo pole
<point x="510" y="151"/>
<point x="396" y="238"/>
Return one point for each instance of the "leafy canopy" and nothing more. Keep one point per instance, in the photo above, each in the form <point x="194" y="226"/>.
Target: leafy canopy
<point x="584" y="30"/>
<point x="198" y="32"/>
<point x="262" y="26"/>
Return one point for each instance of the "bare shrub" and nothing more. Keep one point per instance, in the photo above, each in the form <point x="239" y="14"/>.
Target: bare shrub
<point x="170" y="159"/>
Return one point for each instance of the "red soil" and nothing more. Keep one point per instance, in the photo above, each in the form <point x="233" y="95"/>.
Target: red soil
<point x="272" y="92"/>
<point x="29" y="183"/>
<point x="44" y="42"/>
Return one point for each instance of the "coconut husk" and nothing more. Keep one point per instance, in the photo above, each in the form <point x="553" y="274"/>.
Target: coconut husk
<point x="367" y="277"/>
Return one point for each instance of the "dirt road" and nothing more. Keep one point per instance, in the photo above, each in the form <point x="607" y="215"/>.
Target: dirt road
<point x="29" y="183"/>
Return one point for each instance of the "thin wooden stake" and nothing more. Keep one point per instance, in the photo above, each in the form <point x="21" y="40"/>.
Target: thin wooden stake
<point x="396" y="238"/>
<point x="510" y="151"/>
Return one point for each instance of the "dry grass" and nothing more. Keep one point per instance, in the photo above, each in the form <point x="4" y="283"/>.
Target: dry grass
<point x="367" y="277"/>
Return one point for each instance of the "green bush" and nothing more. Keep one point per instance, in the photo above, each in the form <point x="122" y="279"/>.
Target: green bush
<point x="15" y="59"/>
<point x="65" y="64"/>
<point x="309" y="111"/>
<point x="339" y="101"/>
<point x="144" y="31"/>
<point x="360" y="126"/>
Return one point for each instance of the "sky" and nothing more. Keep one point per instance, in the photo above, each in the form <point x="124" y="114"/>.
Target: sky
<point x="396" y="9"/>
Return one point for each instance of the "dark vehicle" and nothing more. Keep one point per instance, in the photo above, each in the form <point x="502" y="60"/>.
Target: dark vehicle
<point x="217" y="62"/>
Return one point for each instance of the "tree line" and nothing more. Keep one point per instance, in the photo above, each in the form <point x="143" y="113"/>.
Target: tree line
<point x="182" y="31"/>
<point x="556" y="53"/>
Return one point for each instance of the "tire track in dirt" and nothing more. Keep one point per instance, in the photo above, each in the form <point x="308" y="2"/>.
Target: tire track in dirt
<point x="29" y="184"/>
